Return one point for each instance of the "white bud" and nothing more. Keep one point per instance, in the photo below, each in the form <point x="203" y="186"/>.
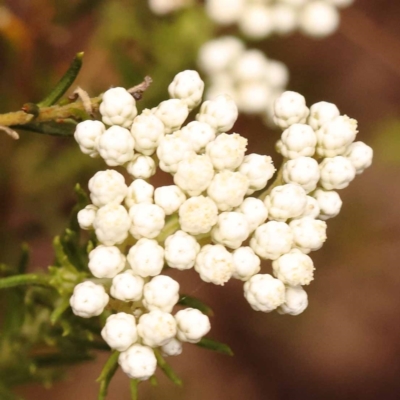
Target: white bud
<point x="162" y="7"/>
<point x="147" y="130"/>
<point x="88" y="299"/>
<point x="254" y="211"/>
<point x="321" y="113"/>
<point x="142" y="167"/>
<point x="139" y="192"/>
<point x="188" y="87"/>
<point x="329" y="203"/>
<point x="252" y="65"/>
<point x="272" y="239"/>
<point x="172" y="348"/>
<point x="86" y="217"/>
<point x="106" y="261"/>
<point x="138" y="362"/>
<point x="296" y="301"/>
<point x="169" y="198"/>
<point x="253" y="97"/>
<point x="118" y="107"/>
<point x="111" y="224"/>
<point x="231" y="230"/>
<point x="146" y="258"/>
<point x="156" y="328"/>
<point x="290" y="108"/>
<point x="318" y="19"/>
<point x="336" y="173"/>
<point x="172" y="113"/>
<point x="181" y="250"/>
<point x="360" y="155"/>
<point x="127" y="286"/>
<point x="115" y="146"/>
<point x="120" y="332"/>
<point x="278" y="74"/>
<point x="298" y="140"/>
<point x="198" y="134"/>
<point x="214" y="264"/>
<point x="161" y="293"/>
<point x="308" y="234"/>
<point x="107" y="187"/>
<point x="284" y="18"/>
<point x="198" y="215"/>
<point x="225" y="12"/>
<point x="86" y="134"/>
<point x="192" y="325"/>
<point x="245" y="263"/>
<point x="147" y="220"/>
<point x="264" y="293"/>
<point x="312" y="208"/>
<point x="303" y="171"/>
<point x="256" y="21"/>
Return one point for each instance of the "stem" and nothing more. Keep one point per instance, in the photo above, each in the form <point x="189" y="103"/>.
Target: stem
<point x="26" y="279"/>
<point x="134" y="385"/>
<point x="170" y="227"/>
<point x="166" y="368"/>
<point x="278" y="181"/>
<point x="107" y="373"/>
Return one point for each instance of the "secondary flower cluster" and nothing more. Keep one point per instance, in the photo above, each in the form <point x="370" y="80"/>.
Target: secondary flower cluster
<point x="210" y="219"/>
<point x="253" y="80"/>
<point x="258" y="19"/>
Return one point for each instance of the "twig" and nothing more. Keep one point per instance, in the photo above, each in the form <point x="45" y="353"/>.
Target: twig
<point x="138" y="90"/>
<point x="10" y="132"/>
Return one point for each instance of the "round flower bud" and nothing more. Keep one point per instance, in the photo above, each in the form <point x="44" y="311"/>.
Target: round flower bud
<point x="127" y="286"/>
<point x="308" y="234"/>
<point x="156" y="328"/>
<point x="286" y="201"/>
<point x="198" y="134"/>
<point x="258" y="169"/>
<point x="252" y="65"/>
<point x="296" y="301"/>
<point x="169" y="198"/>
<point x="86" y="217"/>
<point x="312" y="208"/>
<point x="214" y="264"/>
<point x="194" y="174"/>
<point x="278" y="74"/>
<point x="161" y="293"/>
<point x="138" y="362"/>
<point x="360" y="155"/>
<point x="86" y="134"/>
<point x="335" y="136"/>
<point x="256" y="21"/>
<point x="329" y="203"/>
<point x="218" y="54"/>
<point x="264" y="293"/>
<point x="172" y="113"/>
<point x="318" y="19"/>
<point x="181" y="250"/>
<point x="303" y="171"/>
<point x="220" y="113"/>
<point x="336" y="173"/>
<point x="227" y="151"/>
<point x="198" y="215"/>
<point x="118" y="107"/>
<point x="321" y="113"/>
<point x="120" y="332"/>
<point x="341" y="3"/>
<point x="172" y="348"/>
<point x="290" y="108"/>
<point x="245" y="263"/>
<point x="228" y="189"/>
<point x="299" y="140"/>
<point x="192" y="325"/>
<point x="106" y="261"/>
<point x="115" y="146"/>
<point x="142" y="167"/>
<point x="107" y="187"/>
<point x="163" y="7"/>
<point x="254" y="211"/>
<point x="284" y="18"/>
<point x="231" y="230"/>
<point x="139" y="192"/>
<point x="272" y="239"/>
<point x="188" y="87"/>
<point x="225" y="12"/>
<point x="88" y="299"/>
<point x="172" y="150"/>
<point x="147" y="220"/>
<point x="147" y="130"/>
<point x="111" y="224"/>
<point x="253" y="97"/>
<point x="146" y="258"/>
<point x="294" y="268"/>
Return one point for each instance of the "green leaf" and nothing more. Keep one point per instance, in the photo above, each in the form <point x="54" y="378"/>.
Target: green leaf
<point x="193" y="302"/>
<point x="51" y="128"/>
<point x="166" y="368"/>
<point x="59" y="311"/>
<point x="61" y="257"/>
<point x="109" y="369"/>
<point x="25" y="279"/>
<point x="213" y="345"/>
<point x="64" y="83"/>
<point x="24" y="260"/>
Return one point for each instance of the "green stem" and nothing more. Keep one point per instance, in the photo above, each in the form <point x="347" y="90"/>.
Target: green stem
<point x="109" y="369"/>
<point x="278" y="181"/>
<point x="134" y="385"/>
<point x="171" y="226"/>
<point x="25" y="279"/>
<point x="166" y="368"/>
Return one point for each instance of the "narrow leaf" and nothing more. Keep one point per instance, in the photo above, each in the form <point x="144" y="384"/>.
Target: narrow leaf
<point x="109" y="369"/>
<point x="213" y="345"/>
<point x="24" y="260"/>
<point x="51" y="128"/>
<point x="61" y="257"/>
<point x="166" y="368"/>
<point x="59" y="311"/>
<point x="64" y="83"/>
<point x="195" y="303"/>
<point x="25" y="279"/>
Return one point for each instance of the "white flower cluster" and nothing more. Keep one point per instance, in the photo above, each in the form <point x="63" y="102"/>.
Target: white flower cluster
<point x="253" y="80"/>
<point x="142" y="229"/>
<point x="258" y="19"/>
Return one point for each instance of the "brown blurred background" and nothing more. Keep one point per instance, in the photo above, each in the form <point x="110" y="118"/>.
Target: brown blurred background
<point x="347" y="343"/>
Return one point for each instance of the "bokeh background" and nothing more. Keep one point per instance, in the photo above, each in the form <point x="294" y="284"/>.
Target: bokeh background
<point x="347" y="343"/>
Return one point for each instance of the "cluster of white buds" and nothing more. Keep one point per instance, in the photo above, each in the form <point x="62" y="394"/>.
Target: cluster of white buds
<point x="210" y="219"/>
<point x="163" y="7"/>
<point x="258" y="19"/>
<point x="253" y="80"/>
